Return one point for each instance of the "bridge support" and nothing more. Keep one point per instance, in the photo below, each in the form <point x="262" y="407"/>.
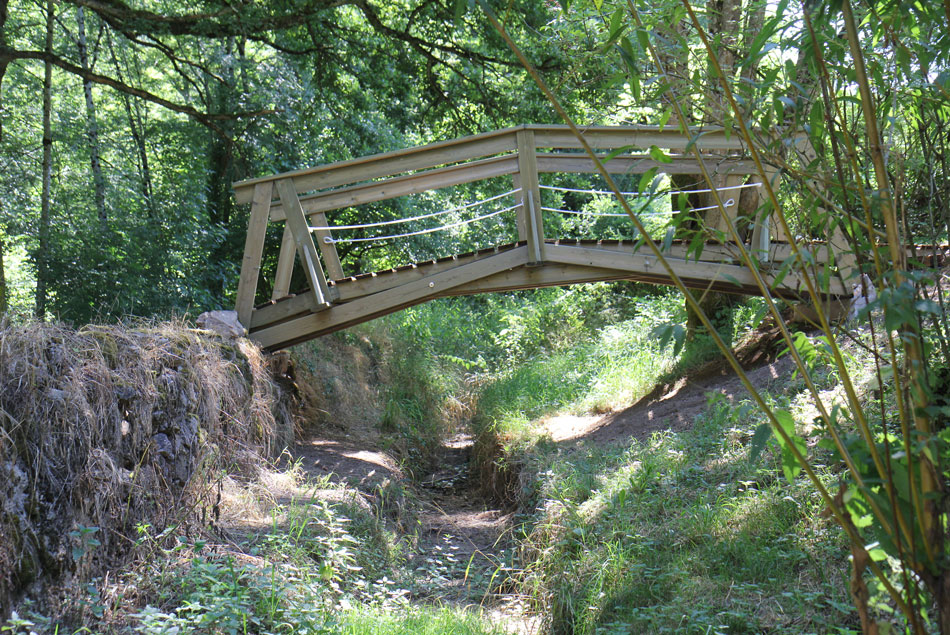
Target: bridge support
<point x="253" y="251"/>
<point x="300" y="230"/>
<point x="529" y="214"/>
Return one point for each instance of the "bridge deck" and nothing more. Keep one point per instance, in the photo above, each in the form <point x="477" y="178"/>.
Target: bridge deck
<point x="366" y="296"/>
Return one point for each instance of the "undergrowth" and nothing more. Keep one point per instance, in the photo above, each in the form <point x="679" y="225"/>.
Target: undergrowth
<point x="681" y="533"/>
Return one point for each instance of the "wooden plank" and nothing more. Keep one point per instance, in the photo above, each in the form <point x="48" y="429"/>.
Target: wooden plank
<point x="404" y="185"/>
<point x="535" y="277"/>
<point x="761" y="226"/>
<point x="465" y="148"/>
<point x="843" y="255"/>
<point x="636" y="164"/>
<point x="387" y="301"/>
<point x="352" y="289"/>
<point x="648" y="265"/>
<point x="522" y="220"/>
<point x="389" y="163"/>
<point x="714" y="218"/>
<point x="330" y="257"/>
<point x="531" y="195"/>
<point x="551" y="275"/>
<point x="285" y="265"/>
<point x="304" y="242"/>
<point x="253" y="251"/>
<point x="551" y="136"/>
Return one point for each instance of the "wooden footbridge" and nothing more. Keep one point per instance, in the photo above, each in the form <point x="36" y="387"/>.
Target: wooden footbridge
<point x="304" y="201"/>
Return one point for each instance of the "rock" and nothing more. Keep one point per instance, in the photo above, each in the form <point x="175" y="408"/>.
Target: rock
<point x="163" y="446"/>
<point x="224" y="323"/>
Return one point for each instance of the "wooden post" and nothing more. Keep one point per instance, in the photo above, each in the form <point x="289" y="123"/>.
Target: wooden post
<point x="285" y="265"/>
<point x="531" y="195"/>
<point x="520" y="212"/>
<point x="300" y="229"/>
<point x="253" y="251"/>
<point x="328" y="250"/>
<point x="842" y="254"/>
<point x="762" y="225"/>
<point x="715" y="219"/>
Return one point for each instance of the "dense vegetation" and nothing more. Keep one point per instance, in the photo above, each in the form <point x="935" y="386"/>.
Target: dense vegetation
<point x="123" y="125"/>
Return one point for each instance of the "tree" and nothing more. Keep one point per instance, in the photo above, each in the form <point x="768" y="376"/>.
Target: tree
<point x="269" y="88"/>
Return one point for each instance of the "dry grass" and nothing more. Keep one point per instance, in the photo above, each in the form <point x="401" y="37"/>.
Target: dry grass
<point x="116" y="428"/>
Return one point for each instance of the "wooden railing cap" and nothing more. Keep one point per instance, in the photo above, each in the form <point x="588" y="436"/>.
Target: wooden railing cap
<point x="489" y="143"/>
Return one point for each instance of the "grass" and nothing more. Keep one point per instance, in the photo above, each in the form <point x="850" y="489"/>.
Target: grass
<point x="416" y="621"/>
<point x="596" y="372"/>
<point x="682" y="533"/>
<point x="323" y="561"/>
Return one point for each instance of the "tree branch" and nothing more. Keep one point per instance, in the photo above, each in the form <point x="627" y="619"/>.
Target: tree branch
<point x="381" y="27"/>
<point x="225" y="22"/>
<point x="8" y="55"/>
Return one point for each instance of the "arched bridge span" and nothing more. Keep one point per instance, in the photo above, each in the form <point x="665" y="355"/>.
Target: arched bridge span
<point x="529" y="257"/>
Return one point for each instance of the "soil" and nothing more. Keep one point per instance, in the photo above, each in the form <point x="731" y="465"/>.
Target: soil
<point x="672" y="406"/>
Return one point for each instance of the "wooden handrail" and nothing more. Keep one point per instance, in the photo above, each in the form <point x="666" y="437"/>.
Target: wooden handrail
<point x="402" y="185"/>
<point x="487" y="144"/>
<point x="388" y="163"/>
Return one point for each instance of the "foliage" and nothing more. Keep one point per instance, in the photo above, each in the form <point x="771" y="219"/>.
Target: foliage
<point x="182" y="112"/>
<point x="843" y="100"/>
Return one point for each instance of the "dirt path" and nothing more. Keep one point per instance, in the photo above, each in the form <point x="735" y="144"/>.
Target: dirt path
<point x="464" y="548"/>
<point x="672" y="406"/>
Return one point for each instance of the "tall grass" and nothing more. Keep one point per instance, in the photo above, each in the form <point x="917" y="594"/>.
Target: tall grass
<point x="682" y="533"/>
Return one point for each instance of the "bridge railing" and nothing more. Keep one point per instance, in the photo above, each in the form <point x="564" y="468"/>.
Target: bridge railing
<point x="302" y="199"/>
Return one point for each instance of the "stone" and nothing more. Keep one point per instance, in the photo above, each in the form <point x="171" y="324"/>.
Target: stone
<point x="163" y="446"/>
<point x="224" y="323"/>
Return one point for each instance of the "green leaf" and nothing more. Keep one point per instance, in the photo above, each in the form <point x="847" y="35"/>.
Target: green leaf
<point x="644" y="39"/>
<point x="667" y="240"/>
<point x="615" y="30"/>
<point x="613" y="154"/>
<point x="625" y="47"/>
<point x="927" y="306"/>
<point x="666" y="333"/>
<point x="790" y="465"/>
<point x="759" y="438"/>
<point x="646" y="179"/>
<point x="731" y="279"/>
<point x="659" y="155"/>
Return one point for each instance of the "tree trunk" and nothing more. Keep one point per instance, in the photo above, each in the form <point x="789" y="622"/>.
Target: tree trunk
<point x="3" y="63"/>
<point x="42" y="254"/>
<point x="92" y="125"/>
<point x="3" y="71"/>
<point x="221" y="171"/>
<point x="724" y="21"/>
<point x="3" y="280"/>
